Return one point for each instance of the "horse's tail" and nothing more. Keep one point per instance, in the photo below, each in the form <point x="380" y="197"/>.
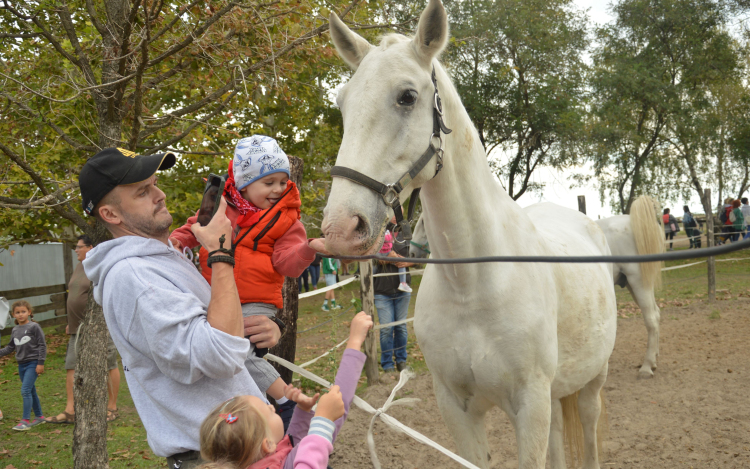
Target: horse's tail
<point x="648" y="231"/>
<point x="573" y="430"/>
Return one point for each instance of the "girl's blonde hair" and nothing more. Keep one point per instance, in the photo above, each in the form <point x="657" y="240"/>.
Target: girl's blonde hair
<point x="233" y="445"/>
<point x="26" y="305"/>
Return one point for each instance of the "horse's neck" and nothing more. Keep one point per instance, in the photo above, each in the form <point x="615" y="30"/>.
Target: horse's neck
<point x="466" y="207"/>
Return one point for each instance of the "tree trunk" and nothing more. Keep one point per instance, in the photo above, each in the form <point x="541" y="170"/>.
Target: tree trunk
<point x="90" y="391"/>
<point x="368" y="306"/>
<point x="287" y="346"/>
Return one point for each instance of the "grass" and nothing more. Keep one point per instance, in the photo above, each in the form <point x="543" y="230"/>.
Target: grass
<point x="49" y="446"/>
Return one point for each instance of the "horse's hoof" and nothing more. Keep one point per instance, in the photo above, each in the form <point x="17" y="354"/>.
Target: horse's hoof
<point x="645" y="374"/>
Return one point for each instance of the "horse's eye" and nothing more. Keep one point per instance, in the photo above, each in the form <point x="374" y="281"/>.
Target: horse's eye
<point x="407" y="98"/>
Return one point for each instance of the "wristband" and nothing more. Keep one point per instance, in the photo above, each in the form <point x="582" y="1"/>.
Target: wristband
<point x="226" y="259"/>
<point x="278" y="322"/>
<point x="222" y="249"/>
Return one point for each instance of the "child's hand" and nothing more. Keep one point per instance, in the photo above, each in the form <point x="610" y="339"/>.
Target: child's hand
<point x="39" y="369"/>
<point x="303" y="402"/>
<point x="331" y="405"/>
<point x="361" y="323"/>
<point x="176" y="244"/>
<point x="319" y="244"/>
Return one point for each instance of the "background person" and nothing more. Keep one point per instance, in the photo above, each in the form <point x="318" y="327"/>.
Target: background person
<point x="745" y="213"/>
<point x="314" y="270"/>
<point x="181" y="341"/>
<point x="27" y="340"/>
<point x="737" y="220"/>
<point x="78" y="295"/>
<point x="330" y="270"/>
<point x="392" y="305"/>
<point x="691" y="228"/>
<point x="670" y="227"/>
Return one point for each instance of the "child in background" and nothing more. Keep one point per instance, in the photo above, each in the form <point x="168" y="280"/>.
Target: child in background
<point x="386" y="249"/>
<point x="27" y="340"/>
<point x="269" y="242"/>
<point x="330" y="269"/>
<point x="244" y="432"/>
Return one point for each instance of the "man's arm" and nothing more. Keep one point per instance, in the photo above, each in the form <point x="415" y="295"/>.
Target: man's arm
<point x="224" y="310"/>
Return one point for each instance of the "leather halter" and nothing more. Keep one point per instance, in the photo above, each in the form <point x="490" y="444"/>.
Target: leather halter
<point x="390" y="192"/>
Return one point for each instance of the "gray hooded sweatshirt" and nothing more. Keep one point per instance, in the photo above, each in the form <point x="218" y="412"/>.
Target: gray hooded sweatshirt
<point x="177" y="366"/>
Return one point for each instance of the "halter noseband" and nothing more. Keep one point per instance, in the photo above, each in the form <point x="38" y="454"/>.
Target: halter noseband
<point x="391" y="192"/>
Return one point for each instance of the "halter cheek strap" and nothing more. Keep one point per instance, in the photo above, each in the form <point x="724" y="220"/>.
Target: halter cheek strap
<point x="390" y="192"/>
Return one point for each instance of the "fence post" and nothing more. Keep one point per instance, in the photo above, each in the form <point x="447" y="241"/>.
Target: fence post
<point x="368" y="306"/>
<point x="68" y="269"/>
<point x="287" y="346"/>
<point x="711" y="261"/>
<point x="582" y="204"/>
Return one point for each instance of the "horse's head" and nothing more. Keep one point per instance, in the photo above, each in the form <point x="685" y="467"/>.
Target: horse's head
<point x="420" y="247"/>
<point x="387" y="108"/>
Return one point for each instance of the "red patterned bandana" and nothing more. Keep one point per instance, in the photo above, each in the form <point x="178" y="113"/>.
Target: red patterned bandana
<point x="249" y="213"/>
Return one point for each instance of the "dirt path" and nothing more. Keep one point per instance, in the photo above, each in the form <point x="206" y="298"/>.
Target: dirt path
<point x="694" y="414"/>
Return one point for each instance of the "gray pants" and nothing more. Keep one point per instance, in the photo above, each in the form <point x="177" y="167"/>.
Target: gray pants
<point x="263" y="373"/>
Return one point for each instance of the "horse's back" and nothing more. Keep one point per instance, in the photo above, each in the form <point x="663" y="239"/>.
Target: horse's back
<point x="566" y="230"/>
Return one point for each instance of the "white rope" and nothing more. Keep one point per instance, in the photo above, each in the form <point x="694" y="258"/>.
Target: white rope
<point x="391" y="324"/>
<point x="702" y="262"/>
<point x="332" y="287"/>
<point x="413" y="272"/>
<point x="334" y="348"/>
<point x="385" y="418"/>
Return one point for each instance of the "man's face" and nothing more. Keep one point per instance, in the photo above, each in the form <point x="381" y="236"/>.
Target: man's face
<point x="81" y="250"/>
<point x="142" y="210"/>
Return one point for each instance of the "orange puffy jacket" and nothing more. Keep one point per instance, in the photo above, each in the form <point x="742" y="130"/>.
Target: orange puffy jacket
<point x="257" y="281"/>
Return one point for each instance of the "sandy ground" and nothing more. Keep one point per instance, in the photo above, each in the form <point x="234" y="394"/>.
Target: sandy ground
<point x="695" y="413"/>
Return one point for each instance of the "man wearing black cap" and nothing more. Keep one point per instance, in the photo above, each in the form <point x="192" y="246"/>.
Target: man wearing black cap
<point x="181" y="341"/>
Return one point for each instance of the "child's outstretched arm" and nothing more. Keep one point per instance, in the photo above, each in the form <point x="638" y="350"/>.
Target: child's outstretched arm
<point x="313" y="451"/>
<point x="183" y="236"/>
<point x="293" y="252"/>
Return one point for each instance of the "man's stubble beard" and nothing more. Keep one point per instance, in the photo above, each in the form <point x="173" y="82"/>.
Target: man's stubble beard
<point x="149" y="227"/>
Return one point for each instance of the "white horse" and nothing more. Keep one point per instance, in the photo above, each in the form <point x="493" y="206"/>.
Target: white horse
<point x="641" y="232"/>
<point x="627" y="235"/>
<point x="527" y="337"/>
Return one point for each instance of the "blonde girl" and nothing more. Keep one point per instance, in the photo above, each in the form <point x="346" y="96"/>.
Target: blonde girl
<point x="246" y="433"/>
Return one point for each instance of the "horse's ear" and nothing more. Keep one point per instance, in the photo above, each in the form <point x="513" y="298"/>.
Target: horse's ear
<point x="432" y="31"/>
<point x="351" y="46"/>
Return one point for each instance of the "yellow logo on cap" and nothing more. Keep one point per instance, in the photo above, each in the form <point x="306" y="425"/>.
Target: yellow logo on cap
<point x="127" y="153"/>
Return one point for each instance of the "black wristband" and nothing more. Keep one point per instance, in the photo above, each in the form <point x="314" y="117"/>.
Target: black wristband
<point x="225" y="259"/>
<point x="278" y="322"/>
<point x="222" y="249"/>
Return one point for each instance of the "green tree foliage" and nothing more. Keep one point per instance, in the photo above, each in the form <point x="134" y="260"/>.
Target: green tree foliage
<point x="148" y="75"/>
<point x="518" y="66"/>
<point x="654" y="67"/>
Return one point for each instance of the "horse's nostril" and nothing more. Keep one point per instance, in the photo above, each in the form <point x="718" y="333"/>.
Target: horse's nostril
<point x="361" y="225"/>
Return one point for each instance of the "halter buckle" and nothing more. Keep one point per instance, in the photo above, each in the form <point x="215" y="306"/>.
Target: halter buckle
<point x="390" y="191"/>
<point x="438" y="105"/>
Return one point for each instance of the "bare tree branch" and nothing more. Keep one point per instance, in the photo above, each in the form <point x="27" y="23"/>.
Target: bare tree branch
<point x="19" y="35"/>
<point x="23" y="204"/>
<point x="174" y="21"/>
<point x="138" y="93"/>
<point x="83" y="60"/>
<point x="95" y="18"/>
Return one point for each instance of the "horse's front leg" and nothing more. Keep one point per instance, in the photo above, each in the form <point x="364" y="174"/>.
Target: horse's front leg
<point x="532" y="406"/>
<point x="465" y="421"/>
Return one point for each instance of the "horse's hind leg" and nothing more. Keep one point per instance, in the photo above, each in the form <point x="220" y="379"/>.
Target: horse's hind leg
<point x="589" y="409"/>
<point x="465" y="422"/>
<point x="651" y="315"/>
<point x="556" y="438"/>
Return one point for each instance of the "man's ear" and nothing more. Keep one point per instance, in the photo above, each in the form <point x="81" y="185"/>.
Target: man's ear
<point x="109" y="214"/>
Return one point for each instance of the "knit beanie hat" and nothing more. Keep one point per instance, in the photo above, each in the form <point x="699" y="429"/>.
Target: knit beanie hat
<point x="256" y="157"/>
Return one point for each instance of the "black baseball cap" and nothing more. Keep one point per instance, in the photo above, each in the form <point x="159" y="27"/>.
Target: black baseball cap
<point x="114" y="167"/>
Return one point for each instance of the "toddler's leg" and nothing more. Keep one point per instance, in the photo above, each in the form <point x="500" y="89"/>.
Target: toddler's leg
<point x="263" y="373"/>
<point x="402" y="274"/>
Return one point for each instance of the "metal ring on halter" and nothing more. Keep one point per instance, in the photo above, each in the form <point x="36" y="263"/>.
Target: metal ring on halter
<point x="392" y="192"/>
<point x="439" y="148"/>
<point x="438" y="104"/>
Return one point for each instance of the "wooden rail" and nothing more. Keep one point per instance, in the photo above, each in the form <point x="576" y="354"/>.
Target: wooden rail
<point x="58" y="299"/>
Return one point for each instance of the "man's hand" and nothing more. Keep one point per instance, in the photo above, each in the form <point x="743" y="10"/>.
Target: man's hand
<point x="361" y="323"/>
<point x="331" y="405"/>
<point x="67" y="330"/>
<point x="39" y="369"/>
<point x="303" y="402"/>
<point x="400" y="264"/>
<point x="263" y="332"/>
<point x="219" y="225"/>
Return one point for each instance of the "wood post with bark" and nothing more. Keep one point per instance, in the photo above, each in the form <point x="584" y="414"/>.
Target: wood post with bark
<point x="582" y="204"/>
<point x="287" y="346"/>
<point x="368" y="306"/>
<point x="90" y="391"/>
<point x="711" y="261"/>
